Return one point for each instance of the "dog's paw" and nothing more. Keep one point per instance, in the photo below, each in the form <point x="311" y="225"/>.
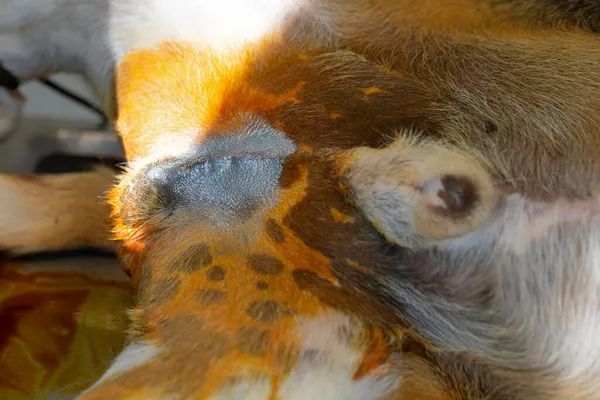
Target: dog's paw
<point x="420" y="194"/>
<point x="54" y="212"/>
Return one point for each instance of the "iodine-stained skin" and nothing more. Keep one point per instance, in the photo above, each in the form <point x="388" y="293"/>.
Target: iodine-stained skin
<point x="375" y="200"/>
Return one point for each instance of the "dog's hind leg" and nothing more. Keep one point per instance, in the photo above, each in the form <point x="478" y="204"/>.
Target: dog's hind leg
<point x="55" y="212"/>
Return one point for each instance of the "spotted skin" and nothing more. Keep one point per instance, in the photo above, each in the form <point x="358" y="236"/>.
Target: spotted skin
<point x="258" y="303"/>
<point x="216" y="273"/>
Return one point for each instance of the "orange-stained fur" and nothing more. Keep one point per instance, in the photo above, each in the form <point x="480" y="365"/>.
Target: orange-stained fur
<point x="424" y="224"/>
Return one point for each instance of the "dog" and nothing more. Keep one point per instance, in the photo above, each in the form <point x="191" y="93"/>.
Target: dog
<point x="327" y="199"/>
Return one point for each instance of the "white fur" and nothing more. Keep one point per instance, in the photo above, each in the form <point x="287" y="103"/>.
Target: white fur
<point x="324" y="371"/>
<point x="90" y="37"/>
<point x="328" y="375"/>
<point x="530" y="221"/>
<point x="132" y="356"/>
<point x="581" y="351"/>
<point x="325" y="367"/>
<point x="136" y="25"/>
<point x="554" y="248"/>
<point x="539" y="259"/>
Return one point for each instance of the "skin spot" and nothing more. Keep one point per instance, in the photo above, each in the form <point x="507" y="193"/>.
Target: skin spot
<point x="253" y="341"/>
<point x="261" y="285"/>
<point x="290" y="174"/>
<point x="216" y="273"/>
<point x="194" y="259"/>
<point x="490" y="127"/>
<point x="275" y="231"/>
<point x="372" y="90"/>
<point x="266" y="311"/>
<point x="335" y="115"/>
<point x="265" y="265"/>
<point x="209" y="297"/>
<point x="458" y="193"/>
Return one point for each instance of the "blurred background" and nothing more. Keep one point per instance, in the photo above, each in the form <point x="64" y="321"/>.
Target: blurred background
<point x="57" y="134"/>
<point x="62" y="315"/>
<point x="43" y="103"/>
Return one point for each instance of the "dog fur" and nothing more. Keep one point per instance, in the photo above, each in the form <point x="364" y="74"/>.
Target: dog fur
<point x="513" y="110"/>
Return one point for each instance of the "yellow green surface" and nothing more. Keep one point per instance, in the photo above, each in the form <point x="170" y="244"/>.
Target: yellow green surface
<point x="61" y="324"/>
